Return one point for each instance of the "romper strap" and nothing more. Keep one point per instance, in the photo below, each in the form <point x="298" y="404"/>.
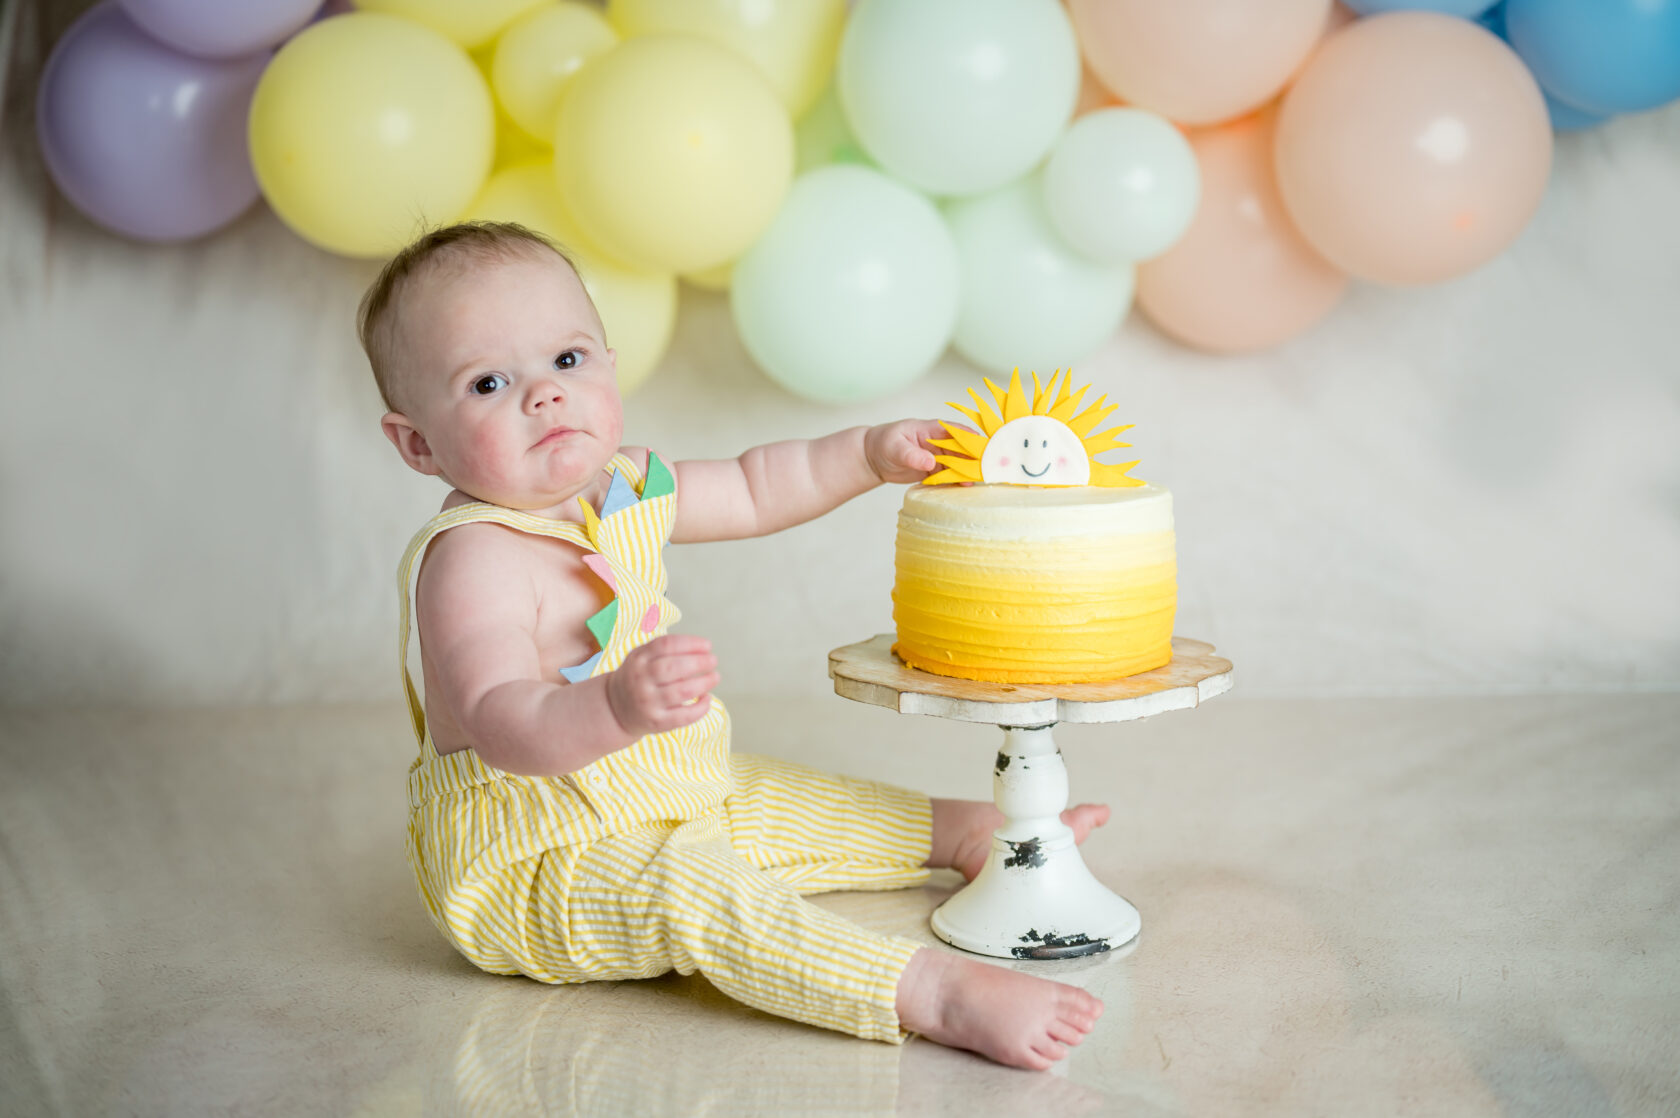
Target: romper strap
<point x="408" y="572"/>
<point x="627" y="466"/>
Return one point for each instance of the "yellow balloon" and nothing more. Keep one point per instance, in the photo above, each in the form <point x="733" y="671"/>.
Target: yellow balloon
<point x="515" y="145"/>
<point x="638" y="309"/>
<point x="535" y="56"/>
<point x="793" y="43"/>
<point x="366" y="128"/>
<point x="672" y="153"/>
<point x="712" y="279"/>
<point x="472" y="23"/>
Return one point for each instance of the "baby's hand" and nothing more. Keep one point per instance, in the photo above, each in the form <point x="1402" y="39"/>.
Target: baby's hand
<point x="663" y="684"/>
<point x="899" y="451"/>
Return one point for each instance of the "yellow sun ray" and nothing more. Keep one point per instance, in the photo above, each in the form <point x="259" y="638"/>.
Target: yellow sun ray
<point x="1015" y="403"/>
<point x="985" y="417"/>
<point x="1056" y="399"/>
<point x="969" y="468"/>
<point x="1082" y="423"/>
<point x="962" y="440"/>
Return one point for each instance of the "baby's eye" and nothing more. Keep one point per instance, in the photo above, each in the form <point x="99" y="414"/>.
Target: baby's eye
<point x="488" y="383"/>
<point x="568" y="360"/>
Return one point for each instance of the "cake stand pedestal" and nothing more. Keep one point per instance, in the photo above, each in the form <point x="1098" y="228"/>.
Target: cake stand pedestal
<point x="1035" y="898"/>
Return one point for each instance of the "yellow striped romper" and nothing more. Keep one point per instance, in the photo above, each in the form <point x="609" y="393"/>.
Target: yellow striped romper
<point x="670" y="854"/>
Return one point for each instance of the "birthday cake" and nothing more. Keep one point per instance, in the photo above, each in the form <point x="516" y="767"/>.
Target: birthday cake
<point x="1049" y="567"/>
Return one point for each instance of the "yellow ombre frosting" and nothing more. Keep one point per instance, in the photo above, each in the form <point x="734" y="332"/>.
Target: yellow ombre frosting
<point x="1019" y="584"/>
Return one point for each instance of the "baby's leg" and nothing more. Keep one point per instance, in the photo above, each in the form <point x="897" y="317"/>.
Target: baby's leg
<point x="643" y="902"/>
<point x="639" y="904"/>
<point x="818" y="831"/>
<point x="962" y="831"/>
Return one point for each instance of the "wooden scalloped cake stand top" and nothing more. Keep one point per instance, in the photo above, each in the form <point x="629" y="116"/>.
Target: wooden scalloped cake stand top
<point x="1035" y="898"/>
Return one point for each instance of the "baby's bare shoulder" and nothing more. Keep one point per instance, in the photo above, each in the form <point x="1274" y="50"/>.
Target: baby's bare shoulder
<point x="477" y="568"/>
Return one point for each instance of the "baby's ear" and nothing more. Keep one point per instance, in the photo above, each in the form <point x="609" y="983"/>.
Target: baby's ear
<point x="410" y="443"/>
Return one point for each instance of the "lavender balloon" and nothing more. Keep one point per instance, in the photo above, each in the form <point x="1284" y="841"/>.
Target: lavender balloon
<point x="144" y="140"/>
<point x="220" y="28"/>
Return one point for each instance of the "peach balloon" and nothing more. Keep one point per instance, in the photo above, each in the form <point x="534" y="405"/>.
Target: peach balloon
<point x="1241" y="278"/>
<point x="1197" y="61"/>
<point x="1413" y="147"/>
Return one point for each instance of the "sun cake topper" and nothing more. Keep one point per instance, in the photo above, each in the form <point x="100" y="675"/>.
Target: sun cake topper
<point x="1043" y="441"/>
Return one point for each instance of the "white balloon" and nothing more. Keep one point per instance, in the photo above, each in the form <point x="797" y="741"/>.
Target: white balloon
<point x="1122" y="184"/>
<point x="1027" y="298"/>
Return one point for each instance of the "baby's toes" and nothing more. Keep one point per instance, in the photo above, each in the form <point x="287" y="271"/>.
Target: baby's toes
<point x="1068" y="1033"/>
<point x="1048" y="1051"/>
<point x="1081" y="1003"/>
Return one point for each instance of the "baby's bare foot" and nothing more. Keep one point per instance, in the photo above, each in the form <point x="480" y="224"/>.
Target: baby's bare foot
<point x="973" y="824"/>
<point x="1013" y="1018"/>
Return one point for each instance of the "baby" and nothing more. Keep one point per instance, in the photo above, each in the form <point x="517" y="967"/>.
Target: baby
<point x="575" y="811"/>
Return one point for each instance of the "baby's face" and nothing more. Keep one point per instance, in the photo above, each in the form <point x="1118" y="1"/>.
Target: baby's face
<point x="508" y="377"/>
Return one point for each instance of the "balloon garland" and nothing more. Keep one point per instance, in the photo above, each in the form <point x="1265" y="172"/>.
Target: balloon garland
<point x="870" y="185"/>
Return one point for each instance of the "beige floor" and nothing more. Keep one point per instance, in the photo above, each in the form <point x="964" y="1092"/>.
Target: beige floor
<point x="1350" y="907"/>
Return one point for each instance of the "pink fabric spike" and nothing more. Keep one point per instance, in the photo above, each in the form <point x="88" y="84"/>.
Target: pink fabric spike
<point x="599" y="564"/>
<point x="650" y="621"/>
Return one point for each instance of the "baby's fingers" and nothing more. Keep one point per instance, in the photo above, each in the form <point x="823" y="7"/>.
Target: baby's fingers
<point x="676" y="644"/>
<point x="674" y="669"/>
<point x="687" y="703"/>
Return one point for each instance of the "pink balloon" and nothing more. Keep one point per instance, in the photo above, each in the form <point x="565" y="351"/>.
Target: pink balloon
<point x="1241" y="278"/>
<point x="1413" y="148"/>
<point x="1197" y="61"/>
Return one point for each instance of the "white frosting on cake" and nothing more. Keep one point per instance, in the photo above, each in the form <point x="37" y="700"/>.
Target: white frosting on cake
<point x="1030" y="513"/>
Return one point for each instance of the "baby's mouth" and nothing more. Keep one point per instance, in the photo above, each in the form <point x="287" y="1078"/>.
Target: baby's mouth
<point x="556" y="435"/>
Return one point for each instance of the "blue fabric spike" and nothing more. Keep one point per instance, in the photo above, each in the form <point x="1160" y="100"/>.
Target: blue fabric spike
<point x="582" y="671"/>
<point x="619" y="496"/>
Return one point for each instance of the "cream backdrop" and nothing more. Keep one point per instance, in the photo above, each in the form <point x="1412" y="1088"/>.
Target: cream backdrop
<point x="1467" y="488"/>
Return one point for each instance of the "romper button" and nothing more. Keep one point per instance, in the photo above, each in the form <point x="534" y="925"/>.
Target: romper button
<point x="597" y="778"/>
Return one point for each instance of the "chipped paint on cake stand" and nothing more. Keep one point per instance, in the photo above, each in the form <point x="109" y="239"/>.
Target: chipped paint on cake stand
<point x="1035" y="898"/>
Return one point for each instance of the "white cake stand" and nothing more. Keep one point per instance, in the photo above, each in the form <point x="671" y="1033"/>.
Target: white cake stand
<point x="1035" y="899"/>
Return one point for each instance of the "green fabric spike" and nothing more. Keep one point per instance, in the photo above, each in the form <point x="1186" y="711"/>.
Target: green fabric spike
<point x="602" y="623"/>
<point x="659" y="480"/>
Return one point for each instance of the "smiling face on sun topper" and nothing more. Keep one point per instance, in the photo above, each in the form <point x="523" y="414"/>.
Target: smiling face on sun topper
<point x="1043" y="441"/>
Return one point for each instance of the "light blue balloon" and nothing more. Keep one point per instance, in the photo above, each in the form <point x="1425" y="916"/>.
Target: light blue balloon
<point x="1567" y="118"/>
<point x="1465" y="8"/>
<point x="1600" y="56"/>
<point x="958" y="96"/>
<point x="1027" y="298"/>
<point x="852" y="291"/>
<point x="1564" y="117"/>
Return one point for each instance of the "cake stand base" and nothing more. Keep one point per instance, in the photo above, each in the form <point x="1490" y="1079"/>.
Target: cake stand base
<point x="1034" y="898"/>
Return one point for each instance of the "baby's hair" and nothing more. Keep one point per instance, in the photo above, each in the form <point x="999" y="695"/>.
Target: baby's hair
<point x="469" y="241"/>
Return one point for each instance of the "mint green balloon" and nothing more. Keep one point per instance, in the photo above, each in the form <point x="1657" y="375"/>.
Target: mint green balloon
<point x="1121" y="184"/>
<point x="1027" y="298"/>
<point x="958" y="96"/>
<point x="852" y="291"/>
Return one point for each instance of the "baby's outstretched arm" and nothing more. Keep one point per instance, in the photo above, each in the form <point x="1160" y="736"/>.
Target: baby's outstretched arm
<point x="782" y="484"/>
<point x="479" y="619"/>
